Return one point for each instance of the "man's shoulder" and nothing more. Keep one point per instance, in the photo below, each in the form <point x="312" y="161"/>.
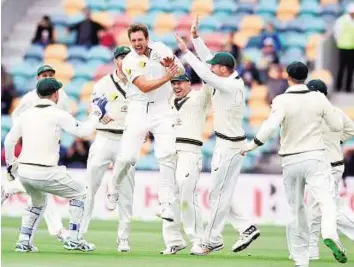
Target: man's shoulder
<point x="103" y="81"/>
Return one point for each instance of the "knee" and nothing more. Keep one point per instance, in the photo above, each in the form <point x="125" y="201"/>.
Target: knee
<point x="127" y="158"/>
<point x="170" y="160"/>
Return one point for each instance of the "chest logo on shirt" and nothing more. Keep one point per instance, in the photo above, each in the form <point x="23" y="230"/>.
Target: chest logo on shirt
<point x="142" y="64"/>
<point x="128" y="71"/>
<point x="113" y="96"/>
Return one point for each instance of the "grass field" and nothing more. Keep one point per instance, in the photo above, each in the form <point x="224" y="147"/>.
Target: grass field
<point x="269" y="250"/>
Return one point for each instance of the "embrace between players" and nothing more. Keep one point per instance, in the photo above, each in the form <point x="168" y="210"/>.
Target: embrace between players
<point x="146" y="76"/>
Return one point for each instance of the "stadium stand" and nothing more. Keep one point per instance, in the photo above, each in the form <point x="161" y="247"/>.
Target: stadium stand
<point x="79" y="67"/>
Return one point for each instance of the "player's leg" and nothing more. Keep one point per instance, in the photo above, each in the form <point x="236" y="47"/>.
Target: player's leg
<point x="297" y="230"/>
<point x="125" y="209"/>
<point x="187" y="176"/>
<point x="165" y="152"/>
<point x="314" y="216"/>
<point x="97" y="164"/>
<point x="10" y="188"/>
<point x="247" y="230"/>
<point x="225" y="167"/>
<point x="320" y="183"/>
<point x="32" y="215"/>
<point x="345" y="216"/>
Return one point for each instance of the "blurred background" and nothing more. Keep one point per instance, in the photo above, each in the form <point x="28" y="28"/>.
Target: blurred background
<point x="77" y="37"/>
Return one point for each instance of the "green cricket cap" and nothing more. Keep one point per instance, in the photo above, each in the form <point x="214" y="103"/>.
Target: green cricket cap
<point x="181" y="78"/>
<point x="317" y="85"/>
<point x="223" y="58"/>
<point x="45" y="68"/>
<point x="48" y="86"/>
<point x="121" y="50"/>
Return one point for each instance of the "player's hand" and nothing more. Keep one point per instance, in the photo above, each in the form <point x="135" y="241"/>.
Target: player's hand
<point x="167" y="61"/>
<point x="247" y="148"/>
<point x="194" y="28"/>
<point x="172" y="71"/>
<point x="99" y="106"/>
<point x="106" y="119"/>
<point x="181" y="43"/>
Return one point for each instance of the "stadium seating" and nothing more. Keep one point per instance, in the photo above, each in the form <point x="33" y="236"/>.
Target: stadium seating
<point x="299" y="23"/>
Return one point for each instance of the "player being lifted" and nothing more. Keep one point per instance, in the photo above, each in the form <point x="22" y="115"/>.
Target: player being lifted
<point x="190" y="108"/>
<point x="40" y="128"/>
<point x="149" y="67"/>
<point x="228" y="105"/>
<point x="332" y="141"/>
<point x="299" y="112"/>
<point x="51" y="214"/>
<point x="105" y="148"/>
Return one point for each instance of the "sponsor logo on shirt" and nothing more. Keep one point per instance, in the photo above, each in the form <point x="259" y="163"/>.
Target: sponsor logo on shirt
<point x="142" y="64"/>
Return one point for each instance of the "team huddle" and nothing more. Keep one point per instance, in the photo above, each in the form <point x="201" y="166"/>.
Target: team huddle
<point x="149" y="92"/>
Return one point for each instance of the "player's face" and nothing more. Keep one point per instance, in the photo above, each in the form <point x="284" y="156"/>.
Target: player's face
<point x="139" y="42"/>
<point x="217" y="69"/>
<point x="119" y="61"/>
<point x="181" y="88"/>
<point x="56" y="97"/>
<point x="46" y="74"/>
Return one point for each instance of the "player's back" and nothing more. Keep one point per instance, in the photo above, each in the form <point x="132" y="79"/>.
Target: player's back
<point x="40" y="134"/>
<point x="303" y="114"/>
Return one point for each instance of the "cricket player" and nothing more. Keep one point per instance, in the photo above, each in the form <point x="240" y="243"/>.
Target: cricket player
<point x="300" y="112"/>
<point x="190" y="108"/>
<point x="40" y="128"/>
<point x="228" y="105"/>
<point x="104" y="149"/>
<point x="332" y="140"/>
<point x="51" y="214"/>
<point x="149" y="67"/>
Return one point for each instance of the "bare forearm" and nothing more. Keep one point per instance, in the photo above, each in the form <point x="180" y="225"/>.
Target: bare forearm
<point x="150" y="85"/>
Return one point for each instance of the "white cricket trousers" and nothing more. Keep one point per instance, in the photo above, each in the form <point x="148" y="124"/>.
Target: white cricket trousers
<point x="345" y="216"/>
<point x="186" y="207"/>
<point x="103" y="152"/>
<point x="157" y="118"/>
<point x="225" y="169"/>
<point x="315" y="172"/>
<point x="51" y="215"/>
<point x="38" y="181"/>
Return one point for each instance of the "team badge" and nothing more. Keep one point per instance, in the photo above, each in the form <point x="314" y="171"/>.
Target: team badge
<point x="128" y="71"/>
<point x="142" y="64"/>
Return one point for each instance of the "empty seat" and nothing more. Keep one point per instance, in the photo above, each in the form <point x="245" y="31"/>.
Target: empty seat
<point x="241" y="38"/>
<point x="225" y="7"/>
<point x="185" y="23"/>
<point x="202" y="7"/>
<point x="103" y="70"/>
<point x="258" y="92"/>
<point x="116" y="6"/>
<point x="122" y="38"/>
<point x="84" y="72"/>
<point x="309" y="8"/>
<point x="210" y="24"/>
<point x="59" y="19"/>
<point x="215" y="41"/>
<point x="73" y="6"/>
<point x="103" y="18"/>
<point x="287" y="11"/>
<point x="137" y="7"/>
<point x="181" y="6"/>
<point x="160" y="6"/>
<point x="96" y="5"/>
<point x="22" y="69"/>
<point x="86" y="91"/>
<point x="100" y="52"/>
<point x="147" y="19"/>
<point x="252" y="24"/>
<point x="245" y="8"/>
<point x="329" y="2"/>
<point x="122" y="21"/>
<point x="35" y="51"/>
<point x="312" y="46"/>
<point x="164" y="23"/>
<point x="63" y="70"/>
<point x="73" y="89"/>
<point x="78" y="52"/>
<point x="56" y="52"/>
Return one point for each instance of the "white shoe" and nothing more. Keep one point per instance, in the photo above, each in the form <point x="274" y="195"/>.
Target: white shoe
<point x="63" y="235"/>
<point x="314" y="253"/>
<point x="246" y="238"/>
<point x="204" y="249"/>
<point x="123" y="245"/>
<point x="165" y="212"/>
<point x="25" y="246"/>
<point x="81" y="245"/>
<point x="111" y="202"/>
<point x="173" y="249"/>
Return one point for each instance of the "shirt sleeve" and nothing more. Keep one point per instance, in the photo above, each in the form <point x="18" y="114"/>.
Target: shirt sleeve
<point x="132" y="69"/>
<point x="331" y="116"/>
<point x="219" y="83"/>
<point x="348" y="127"/>
<point x="202" y="50"/>
<point x="25" y="103"/>
<point x="76" y="128"/>
<point x="64" y="101"/>
<point x="271" y="124"/>
<point x="11" y="140"/>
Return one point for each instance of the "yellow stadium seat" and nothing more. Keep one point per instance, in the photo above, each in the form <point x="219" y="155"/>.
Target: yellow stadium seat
<point x="122" y="38"/>
<point x="254" y="103"/>
<point x="329" y="2"/>
<point x="63" y="71"/>
<point x="56" y="51"/>
<point x="252" y="23"/>
<point x="286" y="16"/>
<point x="202" y="7"/>
<point x="137" y="7"/>
<point x="72" y="7"/>
<point x="256" y="122"/>
<point x="103" y="18"/>
<point x="164" y="23"/>
<point x="259" y="92"/>
<point x="86" y="91"/>
<point x="312" y="46"/>
<point x="248" y="1"/>
<point x="322" y="74"/>
<point x="349" y="111"/>
<point x="241" y="38"/>
<point x="288" y="9"/>
<point x="260" y="112"/>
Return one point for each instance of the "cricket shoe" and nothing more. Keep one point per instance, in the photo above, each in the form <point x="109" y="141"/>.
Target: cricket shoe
<point x="123" y="245"/>
<point x="111" y="202"/>
<point x="246" y="238"/>
<point x="337" y="249"/>
<point x="25" y="246"/>
<point x="205" y="249"/>
<point x="314" y="253"/>
<point x="81" y="245"/>
<point x="63" y="235"/>
<point x="165" y="212"/>
<point x="4" y="195"/>
<point x="173" y="249"/>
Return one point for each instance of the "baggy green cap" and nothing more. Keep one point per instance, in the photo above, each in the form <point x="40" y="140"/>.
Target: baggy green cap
<point x="223" y="58"/>
<point x="181" y="78"/>
<point x="48" y="86"/>
<point x="121" y="50"/>
<point x="45" y="68"/>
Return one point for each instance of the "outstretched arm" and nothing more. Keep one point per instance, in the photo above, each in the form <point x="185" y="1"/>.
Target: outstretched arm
<point x="202" y="50"/>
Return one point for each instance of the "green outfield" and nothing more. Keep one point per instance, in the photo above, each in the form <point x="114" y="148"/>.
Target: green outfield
<point x="268" y="251"/>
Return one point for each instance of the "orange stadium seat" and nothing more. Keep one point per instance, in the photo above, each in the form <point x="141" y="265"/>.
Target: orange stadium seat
<point x="164" y="23"/>
<point x="349" y="111"/>
<point x="63" y="71"/>
<point x="137" y="7"/>
<point x="55" y="52"/>
<point x="258" y="92"/>
<point x="202" y="7"/>
<point x="103" y="70"/>
<point x="288" y="9"/>
<point x="248" y="1"/>
<point x="322" y="74"/>
<point x="241" y="38"/>
<point x="122" y="21"/>
<point x="86" y="92"/>
<point x="122" y="38"/>
<point x="312" y="46"/>
<point x="252" y="24"/>
<point x="103" y="18"/>
<point x="215" y="41"/>
<point x="72" y="7"/>
<point x="185" y="23"/>
<point x="329" y="2"/>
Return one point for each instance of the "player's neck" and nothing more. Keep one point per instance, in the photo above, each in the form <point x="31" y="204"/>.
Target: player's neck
<point x="121" y="76"/>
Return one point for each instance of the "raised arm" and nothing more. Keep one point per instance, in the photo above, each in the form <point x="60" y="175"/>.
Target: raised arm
<point x="202" y="50"/>
<point x="332" y="117"/>
<point x="348" y="127"/>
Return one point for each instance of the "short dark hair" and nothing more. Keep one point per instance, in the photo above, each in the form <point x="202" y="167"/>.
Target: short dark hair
<point x="137" y="27"/>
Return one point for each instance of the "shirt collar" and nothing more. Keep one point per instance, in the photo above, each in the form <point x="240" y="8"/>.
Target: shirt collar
<point x="297" y="88"/>
<point x="45" y="101"/>
<point x="233" y="75"/>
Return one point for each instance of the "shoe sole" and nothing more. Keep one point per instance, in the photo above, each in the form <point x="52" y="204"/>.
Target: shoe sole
<point x="73" y="249"/>
<point x="338" y="253"/>
<point x="24" y="251"/>
<point x="244" y="246"/>
<point x="123" y="250"/>
<point x="220" y="247"/>
<point x="181" y="248"/>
